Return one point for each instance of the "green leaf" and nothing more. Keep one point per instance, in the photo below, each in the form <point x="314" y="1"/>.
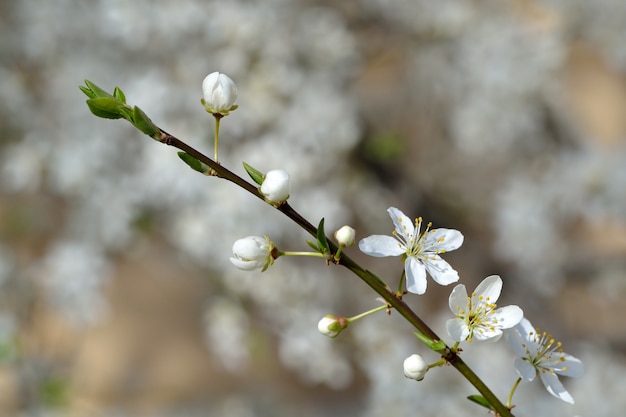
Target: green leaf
<point x="119" y="94"/>
<point x="194" y="163"/>
<point x="93" y="91"/>
<point x="313" y="246"/>
<point x="257" y="176"/>
<point x="321" y="237"/>
<point x="106" y="107"/>
<point x="143" y="122"/>
<point x="436" y="345"/>
<point x="480" y="400"/>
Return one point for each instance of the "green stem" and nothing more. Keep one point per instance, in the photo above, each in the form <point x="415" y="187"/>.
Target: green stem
<point x="368" y="277"/>
<point x="217" y="135"/>
<point x="513" y="389"/>
<point x="367" y="313"/>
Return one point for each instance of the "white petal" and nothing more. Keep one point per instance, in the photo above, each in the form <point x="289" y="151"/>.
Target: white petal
<point x="489" y="289"/>
<point x="443" y="240"/>
<point x="246" y="265"/>
<point x="526" y="329"/>
<point x="251" y="248"/>
<point x="487" y="335"/>
<point x="415" y="276"/>
<point x="457" y="329"/>
<point x="526" y="335"/>
<point x="441" y="271"/>
<point x="508" y="316"/>
<point x="525" y="369"/>
<point x="458" y="299"/>
<point x="516" y="341"/>
<point x="403" y="224"/>
<point x="571" y="366"/>
<point x="554" y="387"/>
<point x="381" y="245"/>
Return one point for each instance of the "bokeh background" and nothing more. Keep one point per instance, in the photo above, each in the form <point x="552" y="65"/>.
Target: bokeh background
<point x="503" y="119"/>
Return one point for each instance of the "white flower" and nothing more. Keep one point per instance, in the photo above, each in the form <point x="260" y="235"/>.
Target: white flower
<point x="275" y="186"/>
<point x="345" y="236"/>
<point x="220" y="93"/>
<point x="331" y="325"/>
<point x="540" y="355"/>
<point x="476" y="316"/>
<point x="420" y="250"/>
<point x="415" y="367"/>
<point x="253" y="252"/>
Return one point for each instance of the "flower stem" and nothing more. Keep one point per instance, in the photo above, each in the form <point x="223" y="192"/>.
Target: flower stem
<point x="513" y="389"/>
<point x="368" y="277"/>
<point x="367" y="313"/>
<point x="217" y="136"/>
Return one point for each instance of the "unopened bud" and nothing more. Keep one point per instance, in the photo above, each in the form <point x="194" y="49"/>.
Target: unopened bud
<point x="331" y="325"/>
<point x="275" y="186"/>
<point x="415" y="367"/>
<point x="345" y="236"/>
<point x="220" y="93"/>
<point x="252" y="252"/>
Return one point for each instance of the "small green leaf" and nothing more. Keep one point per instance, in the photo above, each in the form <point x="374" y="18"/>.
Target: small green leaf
<point x="321" y="237"/>
<point x="93" y="91"/>
<point x="436" y="345"/>
<point x="106" y="107"/>
<point x="143" y="122"/>
<point x="87" y="91"/>
<point x="313" y="246"/>
<point x="257" y="176"/>
<point x="194" y="163"/>
<point x="480" y="400"/>
<point x="119" y="94"/>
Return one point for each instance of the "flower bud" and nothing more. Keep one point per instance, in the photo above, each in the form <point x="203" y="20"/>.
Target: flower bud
<point x="331" y="325"/>
<point x="415" y="367"/>
<point x="253" y="252"/>
<point x="220" y="93"/>
<point x="275" y="186"/>
<point x="345" y="236"/>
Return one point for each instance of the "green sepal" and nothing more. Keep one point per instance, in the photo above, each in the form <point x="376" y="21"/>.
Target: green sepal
<point x="194" y="163"/>
<point x="436" y="345"/>
<point x="119" y="94"/>
<point x="106" y="107"/>
<point x="143" y="122"/>
<point x="93" y="91"/>
<point x="256" y="175"/>
<point x="480" y="400"/>
<point x="321" y="238"/>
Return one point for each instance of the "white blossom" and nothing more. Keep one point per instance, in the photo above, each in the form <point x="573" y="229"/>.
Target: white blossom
<point x="420" y="250"/>
<point x="539" y="354"/>
<point x="477" y="316"/>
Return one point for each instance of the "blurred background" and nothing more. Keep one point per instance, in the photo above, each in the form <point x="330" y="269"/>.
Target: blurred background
<point x="505" y="120"/>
